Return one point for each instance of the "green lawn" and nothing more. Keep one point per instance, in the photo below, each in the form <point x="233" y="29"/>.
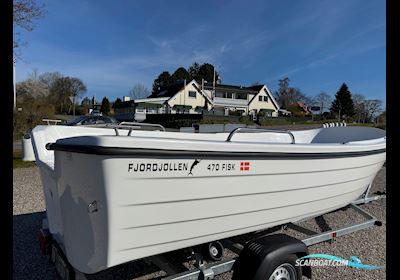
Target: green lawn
<point x="19" y="163"/>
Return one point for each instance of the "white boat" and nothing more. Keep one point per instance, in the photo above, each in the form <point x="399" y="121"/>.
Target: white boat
<point x="114" y="196"/>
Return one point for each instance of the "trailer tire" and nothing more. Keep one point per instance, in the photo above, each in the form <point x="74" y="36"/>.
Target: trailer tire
<point x="213" y="251"/>
<point x="274" y="254"/>
<point x="283" y="268"/>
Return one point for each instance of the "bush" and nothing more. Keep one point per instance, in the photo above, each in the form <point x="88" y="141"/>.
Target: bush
<point x="275" y="121"/>
<point x="214" y="121"/>
<point x="246" y="120"/>
<point x="328" y="115"/>
<point x="81" y="110"/>
<point x="31" y="116"/>
<point x="296" y="111"/>
<point x="236" y="113"/>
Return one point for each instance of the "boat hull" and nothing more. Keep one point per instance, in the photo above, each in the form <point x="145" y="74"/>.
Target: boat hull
<point x="137" y="207"/>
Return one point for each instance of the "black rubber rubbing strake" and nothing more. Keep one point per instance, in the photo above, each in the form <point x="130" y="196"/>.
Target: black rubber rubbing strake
<point x="162" y="153"/>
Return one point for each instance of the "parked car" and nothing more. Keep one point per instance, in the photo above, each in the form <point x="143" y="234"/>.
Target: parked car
<point x="96" y="113"/>
<point x="91" y="119"/>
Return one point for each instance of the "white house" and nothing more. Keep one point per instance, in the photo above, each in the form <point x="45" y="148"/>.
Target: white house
<point x="247" y="100"/>
<point x="194" y="97"/>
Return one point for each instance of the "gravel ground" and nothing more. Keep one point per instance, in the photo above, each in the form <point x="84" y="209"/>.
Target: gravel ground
<point x="368" y="245"/>
<point x="17" y="146"/>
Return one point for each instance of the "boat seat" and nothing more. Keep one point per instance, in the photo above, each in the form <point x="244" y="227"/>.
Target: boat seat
<point x="348" y="134"/>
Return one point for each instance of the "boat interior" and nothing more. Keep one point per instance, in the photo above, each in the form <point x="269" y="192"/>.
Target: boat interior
<point x="42" y="135"/>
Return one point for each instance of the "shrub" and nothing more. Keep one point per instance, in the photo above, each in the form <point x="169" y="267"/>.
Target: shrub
<point x="31" y="115"/>
<point x="81" y="110"/>
<point x="381" y="126"/>
<point x="246" y="120"/>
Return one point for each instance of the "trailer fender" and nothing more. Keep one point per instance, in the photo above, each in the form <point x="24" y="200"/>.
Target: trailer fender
<point x="260" y="255"/>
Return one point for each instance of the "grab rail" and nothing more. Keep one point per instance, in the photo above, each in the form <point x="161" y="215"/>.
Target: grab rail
<point x="131" y="125"/>
<point x="126" y="125"/>
<point x="143" y="124"/>
<point x="260" y="130"/>
<point x="51" y="120"/>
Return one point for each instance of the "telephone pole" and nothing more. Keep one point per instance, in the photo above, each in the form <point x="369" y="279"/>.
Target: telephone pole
<point x="15" y="92"/>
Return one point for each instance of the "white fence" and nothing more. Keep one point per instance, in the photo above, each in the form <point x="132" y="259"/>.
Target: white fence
<point x="325" y="125"/>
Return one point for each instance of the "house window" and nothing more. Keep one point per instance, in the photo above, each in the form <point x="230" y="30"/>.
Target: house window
<point x="241" y="96"/>
<point x="260" y="98"/>
<point x="220" y="94"/>
<point x="265" y="98"/>
<point x="192" y="94"/>
<point x="228" y="95"/>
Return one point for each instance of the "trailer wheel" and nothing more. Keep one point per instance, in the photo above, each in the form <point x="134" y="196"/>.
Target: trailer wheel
<point x="271" y="258"/>
<point x="213" y="251"/>
<point x="285" y="269"/>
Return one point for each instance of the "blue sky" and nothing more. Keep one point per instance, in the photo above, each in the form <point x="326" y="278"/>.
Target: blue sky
<point x="113" y="45"/>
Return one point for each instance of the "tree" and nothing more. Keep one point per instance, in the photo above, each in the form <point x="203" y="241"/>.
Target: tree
<point x="52" y="88"/>
<point x="297" y="95"/>
<point x="286" y="95"/>
<point x="77" y="88"/>
<point x="281" y="94"/>
<point x="343" y="103"/>
<point x="59" y="94"/>
<point x="117" y="103"/>
<point x="25" y="15"/>
<point x="206" y="72"/>
<point x="323" y="100"/>
<point x="32" y="98"/>
<point x="86" y="102"/>
<point x="139" y="91"/>
<point x="359" y="106"/>
<point x="66" y="87"/>
<point x="163" y="80"/>
<point x="366" y="109"/>
<point x="105" y="106"/>
<point x="382" y="117"/>
<point x="180" y="74"/>
<point x="50" y="78"/>
<point x="194" y="71"/>
<point x="31" y="89"/>
<point x="372" y="108"/>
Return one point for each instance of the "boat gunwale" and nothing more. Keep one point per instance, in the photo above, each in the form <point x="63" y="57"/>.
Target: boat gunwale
<point x="200" y="154"/>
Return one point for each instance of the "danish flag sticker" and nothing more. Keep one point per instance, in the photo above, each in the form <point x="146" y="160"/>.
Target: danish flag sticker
<point x="244" y="166"/>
